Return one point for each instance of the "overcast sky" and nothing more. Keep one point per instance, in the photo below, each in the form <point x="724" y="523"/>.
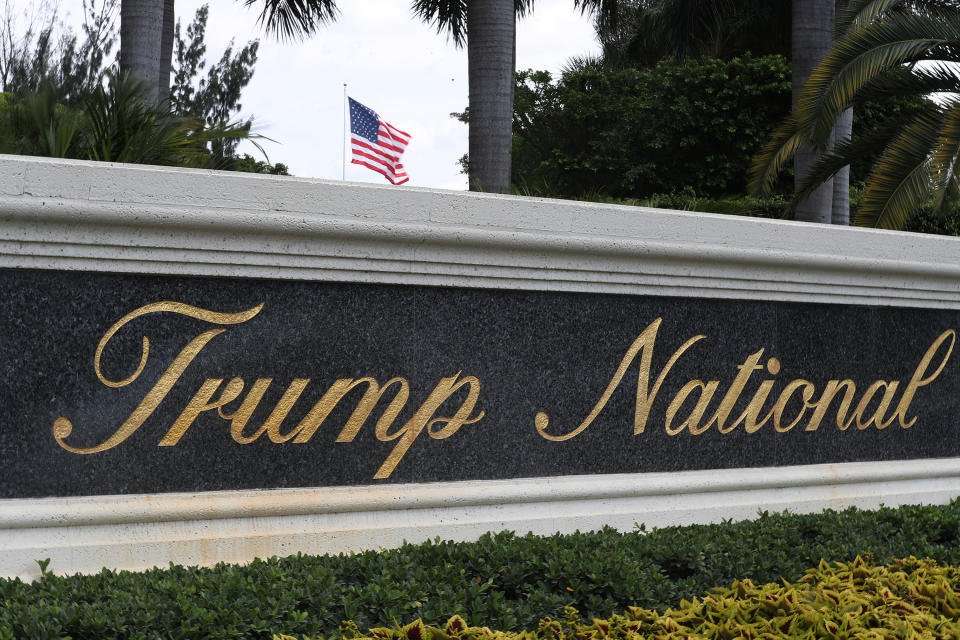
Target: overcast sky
<point x="397" y="66"/>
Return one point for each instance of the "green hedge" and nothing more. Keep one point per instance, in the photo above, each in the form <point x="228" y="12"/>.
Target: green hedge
<point x="503" y="581"/>
<point x="686" y="200"/>
<point x="924" y="221"/>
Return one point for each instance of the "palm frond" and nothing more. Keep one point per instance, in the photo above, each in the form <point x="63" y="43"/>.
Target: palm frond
<point x="946" y="156"/>
<point x="448" y="16"/>
<point x="866" y="54"/>
<point x="606" y="13"/>
<point x="859" y="13"/>
<point x="781" y="147"/>
<point x="911" y="81"/>
<point x="294" y="19"/>
<point x="841" y="155"/>
<point x="523" y="8"/>
<point x="901" y="180"/>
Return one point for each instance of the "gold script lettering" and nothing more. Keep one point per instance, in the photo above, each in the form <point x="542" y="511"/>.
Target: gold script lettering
<point x="644" y="343"/>
<point x="744" y="371"/>
<point x="781" y="404"/>
<point x="823" y="404"/>
<point x="707" y="389"/>
<point x="918" y="380"/>
<point x="63" y="427"/>
<point x="409" y="432"/>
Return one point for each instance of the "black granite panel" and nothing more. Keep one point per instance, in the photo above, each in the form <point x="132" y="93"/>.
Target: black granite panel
<point x="529" y="352"/>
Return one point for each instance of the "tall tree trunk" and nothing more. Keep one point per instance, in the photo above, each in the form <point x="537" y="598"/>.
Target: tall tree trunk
<point x="841" y="180"/>
<point x="140" y="29"/>
<point x="841" y="132"/>
<point x="491" y="33"/>
<point x="812" y="23"/>
<point x="166" y="50"/>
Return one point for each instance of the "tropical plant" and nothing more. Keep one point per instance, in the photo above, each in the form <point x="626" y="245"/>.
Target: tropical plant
<point x="115" y="123"/>
<point x="885" y="48"/>
<point x="488" y="29"/>
<point x="148" y="33"/>
<point x="53" y="76"/>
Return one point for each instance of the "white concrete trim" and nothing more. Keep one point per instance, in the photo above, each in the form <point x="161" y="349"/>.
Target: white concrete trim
<point x="73" y="215"/>
<point x="137" y="532"/>
<point x="120" y="509"/>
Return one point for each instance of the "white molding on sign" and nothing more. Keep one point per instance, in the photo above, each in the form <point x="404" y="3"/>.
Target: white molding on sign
<point x="76" y="215"/>
<point x="141" y="531"/>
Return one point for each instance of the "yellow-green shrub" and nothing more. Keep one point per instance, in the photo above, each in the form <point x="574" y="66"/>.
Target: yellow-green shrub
<point x="908" y="599"/>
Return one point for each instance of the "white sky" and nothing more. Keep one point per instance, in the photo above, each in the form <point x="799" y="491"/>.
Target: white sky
<point x="391" y="62"/>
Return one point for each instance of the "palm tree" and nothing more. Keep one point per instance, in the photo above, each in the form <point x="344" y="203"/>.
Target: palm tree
<point x="488" y="28"/>
<point x="140" y="42"/>
<point x="811" y="40"/>
<point x="879" y="54"/>
<point x="146" y="51"/>
<point x="491" y="48"/>
<point x="651" y="31"/>
<point x="491" y="44"/>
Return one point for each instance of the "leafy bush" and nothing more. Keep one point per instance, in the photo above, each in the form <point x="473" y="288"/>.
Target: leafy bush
<point x="503" y="581"/>
<point x="911" y="598"/>
<point x="633" y="133"/>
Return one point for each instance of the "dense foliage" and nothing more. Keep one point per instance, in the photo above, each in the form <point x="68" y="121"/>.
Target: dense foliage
<point x="40" y="55"/>
<point x="637" y="132"/>
<point x="213" y="99"/>
<point x="502" y="581"/>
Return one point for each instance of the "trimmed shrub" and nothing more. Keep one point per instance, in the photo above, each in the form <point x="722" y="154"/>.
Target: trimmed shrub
<point x="503" y="581"/>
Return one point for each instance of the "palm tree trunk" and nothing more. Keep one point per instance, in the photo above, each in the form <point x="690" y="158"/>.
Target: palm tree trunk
<point x="841" y="181"/>
<point x="841" y="132"/>
<point x="166" y="50"/>
<point x="140" y="29"/>
<point x="491" y="32"/>
<point x="812" y="22"/>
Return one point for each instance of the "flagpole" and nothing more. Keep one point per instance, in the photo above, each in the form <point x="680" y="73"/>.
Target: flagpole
<point x="343" y="156"/>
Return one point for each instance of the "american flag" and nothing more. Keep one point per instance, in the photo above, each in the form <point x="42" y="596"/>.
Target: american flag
<point x="376" y="144"/>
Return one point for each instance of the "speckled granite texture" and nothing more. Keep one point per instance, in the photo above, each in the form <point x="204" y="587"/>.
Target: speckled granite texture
<point x="530" y="351"/>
